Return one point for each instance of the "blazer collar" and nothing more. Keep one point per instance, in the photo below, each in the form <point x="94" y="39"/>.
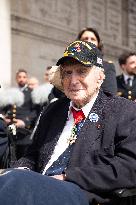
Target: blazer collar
<point x="93" y="127"/>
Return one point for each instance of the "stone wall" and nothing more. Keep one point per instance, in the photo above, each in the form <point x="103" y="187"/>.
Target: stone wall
<point x="5" y="44"/>
<point x="132" y="24"/>
<point x="42" y="29"/>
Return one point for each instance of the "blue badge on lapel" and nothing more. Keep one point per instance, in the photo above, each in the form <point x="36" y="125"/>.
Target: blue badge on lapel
<point x="93" y="117"/>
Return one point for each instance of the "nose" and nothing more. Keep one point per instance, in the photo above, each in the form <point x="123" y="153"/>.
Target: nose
<point x="89" y="39"/>
<point x="74" y="78"/>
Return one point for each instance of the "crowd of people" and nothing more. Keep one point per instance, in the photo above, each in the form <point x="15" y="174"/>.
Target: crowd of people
<point x="75" y="134"/>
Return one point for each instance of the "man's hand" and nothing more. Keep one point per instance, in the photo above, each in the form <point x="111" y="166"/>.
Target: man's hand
<point x="59" y="177"/>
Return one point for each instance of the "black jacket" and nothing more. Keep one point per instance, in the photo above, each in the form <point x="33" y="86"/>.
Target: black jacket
<point x="104" y="155"/>
<point x="26" y="112"/>
<point x="125" y="90"/>
<point x="109" y="84"/>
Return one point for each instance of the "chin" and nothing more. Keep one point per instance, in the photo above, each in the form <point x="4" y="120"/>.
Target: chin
<point x="75" y="96"/>
<point x="80" y="102"/>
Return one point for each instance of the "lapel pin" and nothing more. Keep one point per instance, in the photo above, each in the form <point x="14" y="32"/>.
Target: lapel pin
<point x="93" y="117"/>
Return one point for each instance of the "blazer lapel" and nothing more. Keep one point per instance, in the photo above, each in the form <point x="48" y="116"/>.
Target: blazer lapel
<point x="134" y="82"/>
<point x="123" y="82"/>
<point x="58" y="122"/>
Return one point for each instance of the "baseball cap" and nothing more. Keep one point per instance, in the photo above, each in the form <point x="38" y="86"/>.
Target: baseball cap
<point x="84" y="52"/>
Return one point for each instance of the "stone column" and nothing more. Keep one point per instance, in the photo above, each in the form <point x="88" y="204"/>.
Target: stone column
<point x="5" y="43"/>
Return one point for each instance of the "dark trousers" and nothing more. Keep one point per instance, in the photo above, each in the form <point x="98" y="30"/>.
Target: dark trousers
<point x="22" y="187"/>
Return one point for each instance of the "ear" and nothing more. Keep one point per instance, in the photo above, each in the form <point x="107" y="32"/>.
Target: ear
<point x="101" y="78"/>
<point x="123" y="67"/>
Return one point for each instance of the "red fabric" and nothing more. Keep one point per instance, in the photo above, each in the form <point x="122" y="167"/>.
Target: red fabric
<point x="78" y="115"/>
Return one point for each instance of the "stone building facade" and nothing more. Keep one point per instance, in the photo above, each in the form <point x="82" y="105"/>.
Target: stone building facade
<point x="42" y="29"/>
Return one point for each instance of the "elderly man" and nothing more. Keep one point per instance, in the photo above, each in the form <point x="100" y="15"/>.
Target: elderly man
<point x="84" y="145"/>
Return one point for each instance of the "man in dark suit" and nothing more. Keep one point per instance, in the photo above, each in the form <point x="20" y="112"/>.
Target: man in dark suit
<point x="23" y="115"/>
<point x="126" y="82"/>
<point x="84" y="145"/>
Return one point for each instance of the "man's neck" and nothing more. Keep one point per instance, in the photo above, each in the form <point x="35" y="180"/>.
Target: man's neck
<point x="80" y="105"/>
<point x="87" y="107"/>
<point x="22" y="88"/>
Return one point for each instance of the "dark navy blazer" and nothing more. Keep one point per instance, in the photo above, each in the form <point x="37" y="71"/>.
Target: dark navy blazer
<point x="104" y="155"/>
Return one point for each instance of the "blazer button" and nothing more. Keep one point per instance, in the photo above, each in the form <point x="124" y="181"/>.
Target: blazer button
<point x="98" y="126"/>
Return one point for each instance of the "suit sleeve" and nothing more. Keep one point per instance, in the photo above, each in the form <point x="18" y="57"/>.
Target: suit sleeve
<point x="116" y="169"/>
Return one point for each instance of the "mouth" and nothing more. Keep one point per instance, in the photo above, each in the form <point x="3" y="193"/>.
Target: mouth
<point x="75" y="90"/>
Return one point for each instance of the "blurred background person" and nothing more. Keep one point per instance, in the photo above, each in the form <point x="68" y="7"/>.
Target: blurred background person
<point x="18" y="110"/>
<point x="126" y="82"/>
<point x="25" y="114"/>
<point x="47" y="73"/>
<point x="33" y="82"/>
<point x="40" y="94"/>
<point x="18" y="107"/>
<point x="47" y="93"/>
<point x="91" y="35"/>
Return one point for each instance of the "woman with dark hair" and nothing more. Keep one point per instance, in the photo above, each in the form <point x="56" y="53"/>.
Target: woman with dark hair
<point x="90" y="34"/>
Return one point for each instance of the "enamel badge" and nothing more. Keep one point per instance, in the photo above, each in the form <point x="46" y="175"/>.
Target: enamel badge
<point x="93" y="117"/>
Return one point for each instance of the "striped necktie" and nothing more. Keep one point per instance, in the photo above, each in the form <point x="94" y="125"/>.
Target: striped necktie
<point x="78" y="115"/>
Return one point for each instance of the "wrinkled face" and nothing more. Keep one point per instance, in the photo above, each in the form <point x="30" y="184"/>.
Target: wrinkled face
<point x="130" y="66"/>
<point x="21" y="79"/>
<point x="80" y="83"/>
<point x="89" y="37"/>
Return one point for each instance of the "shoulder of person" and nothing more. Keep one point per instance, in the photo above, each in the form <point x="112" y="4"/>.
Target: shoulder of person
<point x="55" y="106"/>
<point x="120" y="107"/>
<point x="108" y="62"/>
<point x="127" y="106"/>
<point x="108" y="65"/>
<point x="119" y="77"/>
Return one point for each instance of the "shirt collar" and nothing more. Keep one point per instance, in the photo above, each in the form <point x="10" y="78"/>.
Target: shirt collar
<point x="86" y="109"/>
<point x="23" y="88"/>
<point x="126" y="76"/>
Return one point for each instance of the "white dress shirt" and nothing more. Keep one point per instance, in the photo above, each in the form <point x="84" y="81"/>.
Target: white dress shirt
<point x="126" y="77"/>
